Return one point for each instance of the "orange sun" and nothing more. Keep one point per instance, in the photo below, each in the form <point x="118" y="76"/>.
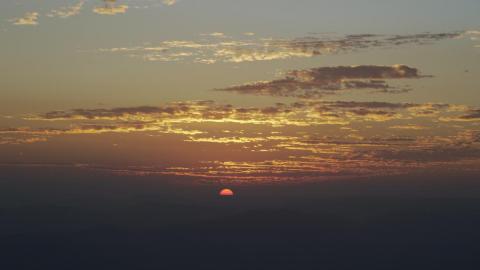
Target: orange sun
<point x="226" y="192"/>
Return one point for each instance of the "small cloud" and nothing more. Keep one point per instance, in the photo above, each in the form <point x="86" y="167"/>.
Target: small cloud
<point x="473" y="34"/>
<point x="66" y="12"/>
<point x="169" y="2"/>
<point x="215" y="34"/>
<point x="30" y="18"/>
<point x="110" y="8"/>
<point x="249" y="34"/>
<point x="409" y="127"/>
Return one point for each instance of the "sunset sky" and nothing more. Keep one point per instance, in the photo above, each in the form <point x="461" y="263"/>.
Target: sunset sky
<point x="241" y="91"/>
<point x="239" y="134"/>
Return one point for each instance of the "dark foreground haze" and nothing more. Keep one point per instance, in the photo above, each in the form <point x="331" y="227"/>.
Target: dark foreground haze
<point x="67" y="218"/>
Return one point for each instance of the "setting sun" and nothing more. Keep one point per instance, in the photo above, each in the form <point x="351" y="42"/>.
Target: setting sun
<point x="226" y="192"/>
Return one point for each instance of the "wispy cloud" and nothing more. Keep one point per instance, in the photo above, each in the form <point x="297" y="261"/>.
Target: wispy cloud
<point x="248" y="49"/>
<point x="307" y="113"/>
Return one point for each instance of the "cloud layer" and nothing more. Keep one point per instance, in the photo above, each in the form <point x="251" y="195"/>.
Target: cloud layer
<point x="283" y="142"/>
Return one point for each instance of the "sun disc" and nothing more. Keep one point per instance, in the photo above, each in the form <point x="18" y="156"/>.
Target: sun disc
<point x="226" y="192"/>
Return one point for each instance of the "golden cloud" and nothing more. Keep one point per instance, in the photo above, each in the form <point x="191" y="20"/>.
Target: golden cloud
<point x="281" y="142"/>
<point x="249" y="49"/>
<point x="66" y="12"/>
<point x="110" y="8"/>
<point x="30" y="18"/>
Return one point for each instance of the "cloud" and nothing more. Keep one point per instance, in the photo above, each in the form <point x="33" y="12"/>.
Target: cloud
<point x="363" y="111"/>
<point x="169" y="2"/>
<point x="114" y="113"/>
<point x="215" y="34"/>
<point x="187" y="112"/>
<point x="250" y="49"/>
<point x="470" y="115"/>
<point x="183" y="118"/>
<point x="16" y="140"/>
<point x="32" y="135"/>
<point x="422" y="38"/>
<point x="30" y="18"/>
<point x="462" y="146"/>
<point x="472" y="34"/>
<point x="318" y="82"/>
<point x="110" y="8"/>
<point x="367" y="105"/>
<point x="66" y="12"/>
<point x="302" y="113"/>
<point x="280" y="142"/>
<point x="409" y="127"/>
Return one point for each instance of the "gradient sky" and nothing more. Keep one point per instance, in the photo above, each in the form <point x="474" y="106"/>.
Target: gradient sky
<point x="246" y="91"/>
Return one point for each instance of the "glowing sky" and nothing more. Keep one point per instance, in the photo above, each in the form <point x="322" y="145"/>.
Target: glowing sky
<point x="243" y="91"/>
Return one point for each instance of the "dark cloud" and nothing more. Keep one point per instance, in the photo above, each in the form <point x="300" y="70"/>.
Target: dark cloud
<point x="336" y="74"/>
<point x="423" y="38"/>
<point x="210" y="111"/>
<point x="115" y="112"/>
<point x="372" y="84"/>
<point x="471" y="115"/>
<point x="193" y="110"/>
<point x="318" y="82"/>
<point x="320" y="45"/>
<point x="437" y="154"/>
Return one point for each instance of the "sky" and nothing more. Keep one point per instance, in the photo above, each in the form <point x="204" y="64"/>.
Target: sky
<point x="241" y="92"/>
<point x="348" y="132"/>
